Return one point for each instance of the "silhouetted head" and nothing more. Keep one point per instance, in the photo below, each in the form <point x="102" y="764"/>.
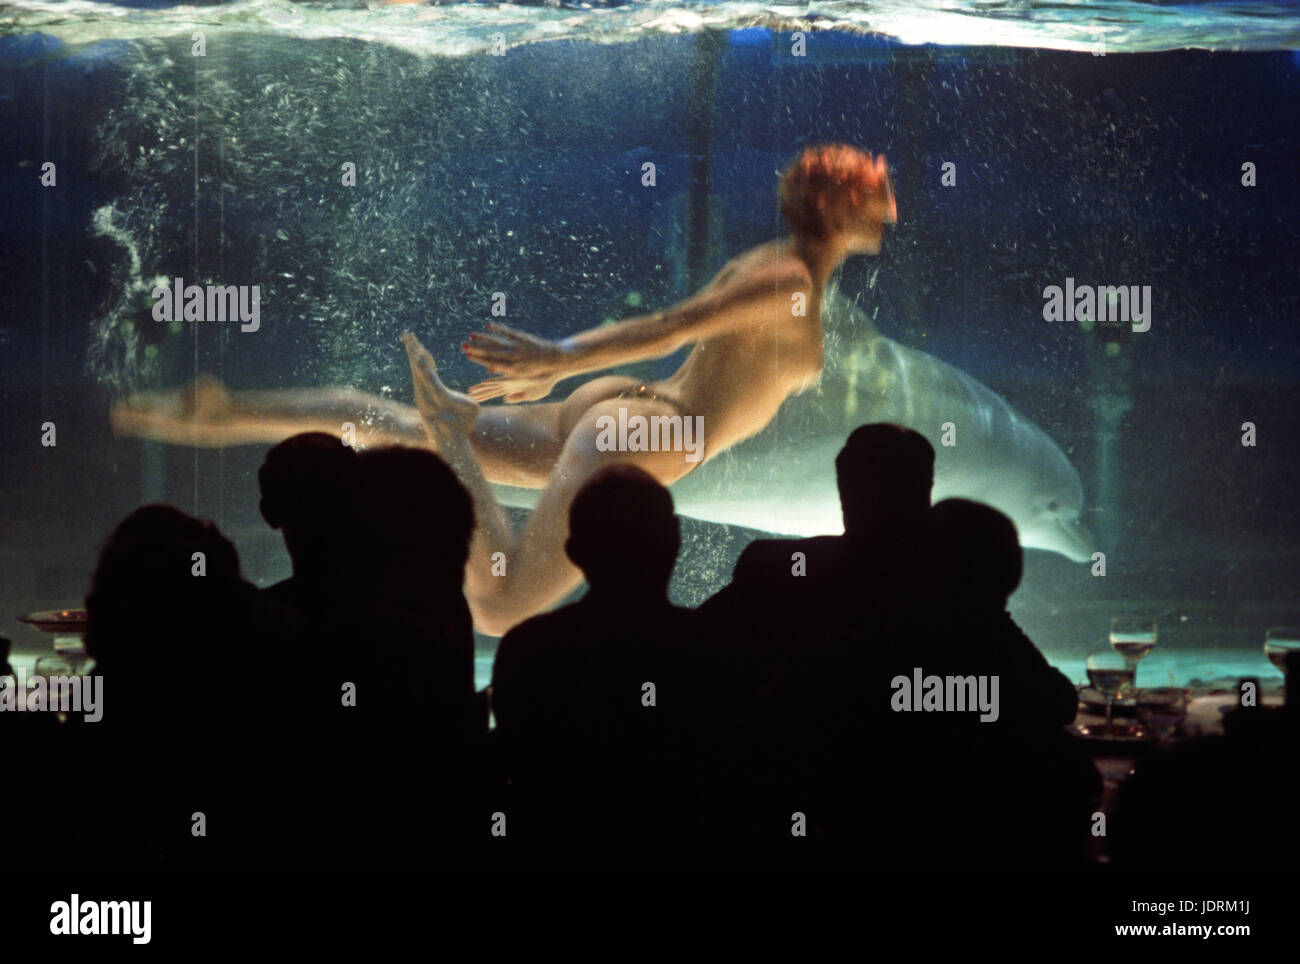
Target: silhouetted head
<point x="623" y="532"/>
<point x="154" y="597"/>
<point x="981" y="556"/>
<point x="838" y="190"/>
<point x="416" y="511"/>
<point x="885" y="473"/>
<point x="308" y="485"/>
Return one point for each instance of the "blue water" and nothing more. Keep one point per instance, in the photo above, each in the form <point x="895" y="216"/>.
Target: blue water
<point x="1100" y="141"/>
<point x="456" y="29"/>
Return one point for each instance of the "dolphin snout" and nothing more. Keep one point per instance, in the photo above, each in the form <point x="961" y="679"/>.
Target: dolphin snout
<point x="1075" y="541"/>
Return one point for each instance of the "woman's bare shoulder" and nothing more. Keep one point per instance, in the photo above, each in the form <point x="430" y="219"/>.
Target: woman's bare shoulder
<point x="775" y="259"/>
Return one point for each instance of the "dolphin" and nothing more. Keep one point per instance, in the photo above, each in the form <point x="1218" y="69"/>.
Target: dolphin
<point x="782" y="480"/>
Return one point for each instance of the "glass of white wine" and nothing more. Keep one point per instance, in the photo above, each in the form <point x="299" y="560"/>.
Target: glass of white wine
<point x="1111" y="674"/>
<point x="1133" y="635"/>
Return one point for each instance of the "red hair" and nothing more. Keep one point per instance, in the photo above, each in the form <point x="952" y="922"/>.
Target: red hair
<point x="827" y="169"/>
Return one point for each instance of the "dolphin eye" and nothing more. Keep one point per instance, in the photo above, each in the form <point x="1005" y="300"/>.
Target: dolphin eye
<point x="1054" y="505"/>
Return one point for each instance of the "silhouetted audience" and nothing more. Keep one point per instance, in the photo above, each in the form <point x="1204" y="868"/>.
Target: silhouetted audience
<point x="850" y="583"/>
<point x="822" y="620"/>
<point x="337" y="692"/>
<point x="387" y="691"/>
<point x="611" y="709"/>
<point x="1015" y="792"/>
<point x="181" y="640"/>
<point x="309" y="492"/>
<point x="981" y="563"/>
<point x="417" y="633"/>
<point x="378" y="543"/>
<point x="906" y="590"/>
<point x="330" y="722"/>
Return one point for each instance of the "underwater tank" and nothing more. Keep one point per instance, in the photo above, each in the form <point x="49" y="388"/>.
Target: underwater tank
<point x="377" y="168"/>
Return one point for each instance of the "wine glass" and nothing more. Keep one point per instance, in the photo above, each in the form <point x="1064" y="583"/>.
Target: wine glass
<point x="1279" y="642"/>
<point x="51" y="666"/>
<point x="68" y="627"/>
<point x="1110" y="673"/>
<point x="1162" y="709"/>
<point x="71" y="646"/>
<point x="1133" y="635"/>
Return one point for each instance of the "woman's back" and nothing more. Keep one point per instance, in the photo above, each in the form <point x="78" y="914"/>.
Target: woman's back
<point x="738" y="380"/>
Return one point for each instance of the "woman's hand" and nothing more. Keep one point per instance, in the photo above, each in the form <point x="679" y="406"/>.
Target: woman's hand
<point x="516" y="354"/>
<point x="514" y="389"/>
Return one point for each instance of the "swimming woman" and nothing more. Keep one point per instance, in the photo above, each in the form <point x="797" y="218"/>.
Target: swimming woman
<point x="757" y="337"/>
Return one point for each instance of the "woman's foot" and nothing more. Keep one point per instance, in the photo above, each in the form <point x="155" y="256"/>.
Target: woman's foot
<point x="193" y="415"/>
<point x="441" y="408"/>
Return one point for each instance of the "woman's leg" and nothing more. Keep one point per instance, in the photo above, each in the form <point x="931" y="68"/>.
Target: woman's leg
<point x="511" y="576"/>
<point x="515" y="445"/>
<point x="207" y="414"/>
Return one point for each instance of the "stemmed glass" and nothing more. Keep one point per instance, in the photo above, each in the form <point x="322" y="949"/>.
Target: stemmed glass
<point x="1279" y="642"/>
<point x="68" y="627"/>
<point x="1110" y="673"/>
<point x="1133" y="636"/>
<point x="71" y="648"/>
<point x="1162" y="710"/>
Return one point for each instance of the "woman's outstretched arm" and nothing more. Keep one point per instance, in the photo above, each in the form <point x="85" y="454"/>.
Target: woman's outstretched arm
<point x="525" y="359"/>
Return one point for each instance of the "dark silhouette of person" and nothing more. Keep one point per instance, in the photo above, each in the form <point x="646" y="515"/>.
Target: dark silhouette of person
<point x="610" y="707"/>
<point x="822" y="619"/>
<point x="418" y="520"/>
<point x="1011" y="793"/>
<point x="309" y="493"/>
<point x="981" y="566"/>
<point x="297" y="741"/>
<point x="379" y="547"/>
<point x="387" y="699"/>
<point x="791" y="590"/>
<point x="176" y="634"/>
